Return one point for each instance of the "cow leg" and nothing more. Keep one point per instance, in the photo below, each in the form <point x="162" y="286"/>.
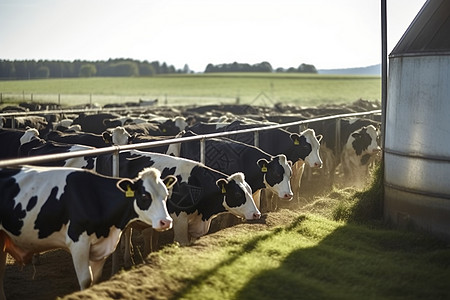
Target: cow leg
<point x="3" y="255"/>
<point x="97" y="269"/>
<point x="80" y="257"/>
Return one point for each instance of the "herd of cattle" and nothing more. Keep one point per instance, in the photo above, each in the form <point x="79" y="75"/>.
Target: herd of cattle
<point x="77" y="205"/>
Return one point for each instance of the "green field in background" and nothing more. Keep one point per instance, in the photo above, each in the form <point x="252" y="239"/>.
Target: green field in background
<point x="249" y="88"/>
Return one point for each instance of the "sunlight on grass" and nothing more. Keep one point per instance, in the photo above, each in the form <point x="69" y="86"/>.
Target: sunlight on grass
<point x="313" y="258"/>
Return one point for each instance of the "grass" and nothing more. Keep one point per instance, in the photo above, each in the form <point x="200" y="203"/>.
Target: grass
<point x="269" y="88"/>
<point x="296" y="254"/>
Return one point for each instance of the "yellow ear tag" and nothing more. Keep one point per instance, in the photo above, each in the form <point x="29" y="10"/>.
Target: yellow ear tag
<point x="224" y="191"/>
<point x="169" y="182"/>
<point x="164" y="130"/>
<point x="264" y="169"/>
<point x="129" y="193"/>
<point x="296" y="142"/>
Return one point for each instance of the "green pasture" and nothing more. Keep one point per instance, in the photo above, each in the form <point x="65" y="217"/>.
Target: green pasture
<point x="190" y="89"/>
<point x="326" y="249"/>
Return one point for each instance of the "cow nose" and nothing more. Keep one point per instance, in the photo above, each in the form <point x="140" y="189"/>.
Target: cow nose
<point x="288" y="196"/>
<point x="318" y="165"/>
<point x="165" y="224"/>
<point x="256" y="216"/>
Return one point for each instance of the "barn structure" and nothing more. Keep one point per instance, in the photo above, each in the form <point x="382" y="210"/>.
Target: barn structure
<point x="417" y="134"/>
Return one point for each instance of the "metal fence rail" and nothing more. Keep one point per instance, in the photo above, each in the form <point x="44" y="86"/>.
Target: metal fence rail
<point x="116" y="149"/>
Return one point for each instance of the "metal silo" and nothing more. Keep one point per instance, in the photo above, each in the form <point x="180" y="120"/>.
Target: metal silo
<point x="417" y="132"/>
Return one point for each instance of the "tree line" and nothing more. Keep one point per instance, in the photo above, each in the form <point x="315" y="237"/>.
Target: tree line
<point x="32" y="69"/>
<point x="259" y="67"/>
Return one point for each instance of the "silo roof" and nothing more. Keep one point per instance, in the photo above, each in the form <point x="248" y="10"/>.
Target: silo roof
<point x="429" y="32"/>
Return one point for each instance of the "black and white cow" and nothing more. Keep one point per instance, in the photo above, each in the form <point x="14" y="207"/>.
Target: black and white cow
<point x="170" y="126"/>
<point x="261" y="169"/>
<point x="42" y="147"/>
<point x="200" y="194"/>
<point x="94" y="123"/>
<point x="304" y="146"/>
<point x="360" y="150"/>
<point x="332" y="148"/>
<point x="24" y="122"/>
<point x="44" y="208"/>
<point x="115" y="136"/>
<point x="12" y="139"/>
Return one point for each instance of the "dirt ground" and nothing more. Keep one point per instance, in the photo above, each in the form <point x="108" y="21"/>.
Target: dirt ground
<point x="54" y="275"/>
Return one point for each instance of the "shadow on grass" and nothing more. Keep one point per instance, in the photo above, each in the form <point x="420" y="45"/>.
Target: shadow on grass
<point x="352" y="262"/>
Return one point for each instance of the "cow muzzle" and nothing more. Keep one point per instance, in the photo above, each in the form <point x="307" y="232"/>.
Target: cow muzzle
<point x="163" y="224"/>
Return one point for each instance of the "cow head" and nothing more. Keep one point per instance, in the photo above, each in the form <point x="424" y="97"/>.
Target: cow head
<point x="118" y="136"/>
<point x="308" y="145"/>
<point x="277" y="173"/>
<point x="28" y="135"/>
<point x="364" y="140"/>
<point x="237" y="196"/>
<point x="174" y="126"/>
<point x="150" y="194"/>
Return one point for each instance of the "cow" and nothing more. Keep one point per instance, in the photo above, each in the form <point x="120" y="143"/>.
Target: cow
<point x="331" y="148"/>
<point x="170" y="126"/>
<point x="298" y="148"/>
<point x="94" y="123"/>
<point x="158" y="126"/>
<point x="12" y="139"/>
<point x="200" y="194"/>
<point x="261" y="169"/>
<point x="42" y="147"/>
<point x="304" y="146"/>
<point x="206" y="127"/>
<point x="115" y="136"/>
<point x="24" y="122"/>
<point x="121" y="121"/>
<point x="45" y="208"/>
<point x="359" y="151"/>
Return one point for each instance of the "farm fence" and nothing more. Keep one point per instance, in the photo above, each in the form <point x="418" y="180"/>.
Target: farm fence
<point x="202" y="138"/>
<point x="81" y="99"/>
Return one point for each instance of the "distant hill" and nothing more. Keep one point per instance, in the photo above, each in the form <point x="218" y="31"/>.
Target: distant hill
<point x="370" y="70"/>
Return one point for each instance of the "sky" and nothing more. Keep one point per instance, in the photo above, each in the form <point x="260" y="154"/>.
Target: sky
<point x="329" y="34"/>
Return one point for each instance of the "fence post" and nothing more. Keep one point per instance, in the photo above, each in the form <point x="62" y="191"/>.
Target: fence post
<point x="115" y="173"/>
<point x="337" y="147"/>
<point x="256" y="138"/>
<point x="202" y="151"/>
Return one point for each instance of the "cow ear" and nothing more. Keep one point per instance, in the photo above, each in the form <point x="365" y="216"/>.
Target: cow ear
<point x="290" y="163"/>
<point x="169" y="181"/>
<point x="262" y="163"/>
<point x="319" y="137"/>
<point x="295" y="137"/>
<point x="127" y="186"/>
<point x="221" y="184"/>
<point x="107" y="137"/>
<point x="356" y="135"/>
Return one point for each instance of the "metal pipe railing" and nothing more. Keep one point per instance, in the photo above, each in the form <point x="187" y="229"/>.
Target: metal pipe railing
<point x="117" y="149"/>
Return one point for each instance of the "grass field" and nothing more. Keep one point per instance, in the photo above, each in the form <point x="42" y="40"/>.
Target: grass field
<point x="295" y="255"/>
<point x="249" y="88"/>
